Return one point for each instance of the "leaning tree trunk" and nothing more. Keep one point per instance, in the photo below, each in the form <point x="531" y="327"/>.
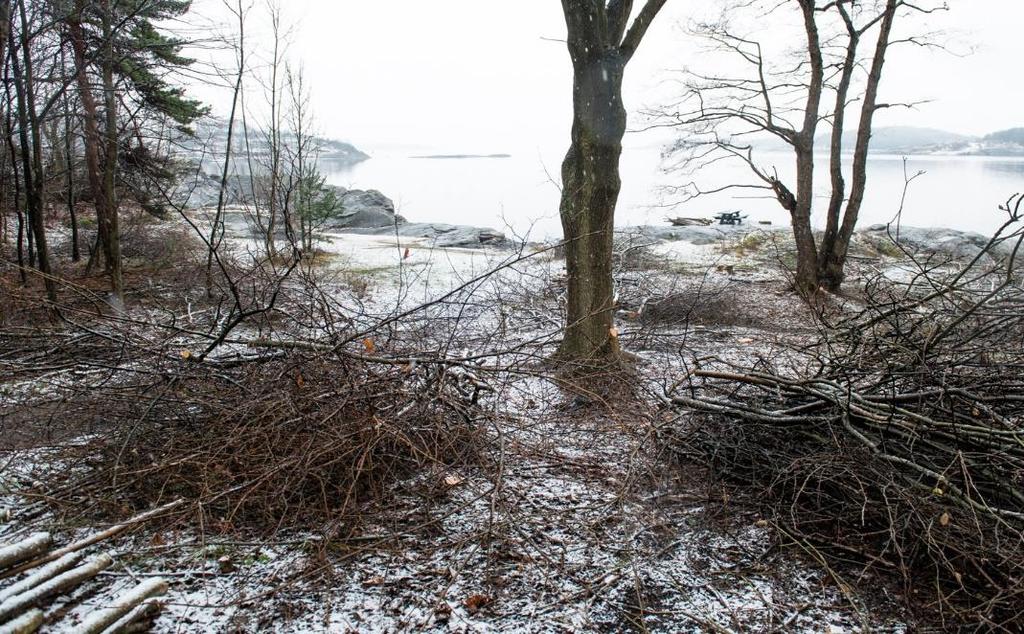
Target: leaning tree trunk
<point x="833" y="263"/>
<point x="91" y="136"/>
<point x="835" y="203"/>
<point x="218" y="219"/>
<point x="590" y="190"/>
<point x="806" y="280"/>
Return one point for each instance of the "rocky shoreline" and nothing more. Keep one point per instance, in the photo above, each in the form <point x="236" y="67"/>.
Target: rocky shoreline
<point x="370" y="212"/>
<point x="366" y="212"/>
<point x="940" y="241"/>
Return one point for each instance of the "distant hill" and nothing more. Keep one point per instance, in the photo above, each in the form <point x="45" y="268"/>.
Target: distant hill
<point x="910" y="140"/>
<point x="1013" y="135"/>
<point x="212" y="134"/>
<point x="914" y="140"/>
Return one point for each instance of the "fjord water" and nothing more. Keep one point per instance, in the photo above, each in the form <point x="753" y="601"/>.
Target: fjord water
<point x="519" y="194"/>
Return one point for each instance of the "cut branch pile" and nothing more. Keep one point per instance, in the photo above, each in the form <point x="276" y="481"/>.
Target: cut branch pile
<point x="288" y="442"/>
<point x="898" y="441"/>
<point x="239" y="405"/>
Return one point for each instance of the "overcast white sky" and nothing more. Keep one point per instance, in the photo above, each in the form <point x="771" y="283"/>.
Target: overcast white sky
<point x="480" y="75"/>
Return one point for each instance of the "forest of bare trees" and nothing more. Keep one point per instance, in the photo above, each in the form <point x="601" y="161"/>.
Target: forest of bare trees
<point x="222" y="410"/>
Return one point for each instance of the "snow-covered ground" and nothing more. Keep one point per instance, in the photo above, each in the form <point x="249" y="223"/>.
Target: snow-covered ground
<point x="583" y="523"/>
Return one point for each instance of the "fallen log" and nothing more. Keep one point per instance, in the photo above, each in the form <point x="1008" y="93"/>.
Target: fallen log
<point x="57" y="585"/>
<point x="103" y="618"/>
<point x="27" y="548"/>
<point x="688" y="222"/>
<point x="137" y="620"/>
<point x="27" y="623"/>
<point x="92" y="539"/>
<point x="42" y="575"/>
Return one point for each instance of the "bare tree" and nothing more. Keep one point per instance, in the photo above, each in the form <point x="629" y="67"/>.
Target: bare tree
<point x="836" y="241"/>
<point x="217" y="229"/>
<point x="272" y="132"/>
<point x="29" y="130"/>
<point x="265" y="173"/>
<point x="300" y="155"/>
<point x="785" y="99"/>
<point x="69" y="156"/>
<point x="308" y="200"/>
<point x="601" y="42"/>
<point x="5" y="26"/>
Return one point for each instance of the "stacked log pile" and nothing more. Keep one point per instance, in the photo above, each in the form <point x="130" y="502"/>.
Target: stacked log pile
<point x="35" y="576"/>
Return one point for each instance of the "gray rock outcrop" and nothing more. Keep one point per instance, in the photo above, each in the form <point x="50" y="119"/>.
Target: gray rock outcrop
<point x="364" y="209"/>
<point x="441" y="235"/>
<point x="698" y="235"/>
<point x="961" y="245"/>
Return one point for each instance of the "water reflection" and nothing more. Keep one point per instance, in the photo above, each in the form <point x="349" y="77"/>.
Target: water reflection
<point x="1015" y="168"/>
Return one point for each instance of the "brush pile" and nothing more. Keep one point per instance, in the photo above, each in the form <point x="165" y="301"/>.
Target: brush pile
<point x="895" y="441"/>
<point x="293" y="441"/>
<point x="237" y="403"/>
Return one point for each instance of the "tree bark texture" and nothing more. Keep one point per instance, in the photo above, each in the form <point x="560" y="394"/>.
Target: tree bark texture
<point x="601" y="41"/>
<point x="590" y="191"/>
<point x="98" y="175"/>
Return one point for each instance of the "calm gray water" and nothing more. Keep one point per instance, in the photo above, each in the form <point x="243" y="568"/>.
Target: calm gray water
<point x="516" y="194"/>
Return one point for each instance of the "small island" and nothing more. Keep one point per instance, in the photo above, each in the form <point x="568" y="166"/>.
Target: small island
<point x="463" y="156"/>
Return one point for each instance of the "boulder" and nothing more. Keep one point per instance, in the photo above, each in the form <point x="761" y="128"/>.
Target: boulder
<point x="364" y="209"/>
<point x="204" y="191"/>
<point x="360" y="208"/>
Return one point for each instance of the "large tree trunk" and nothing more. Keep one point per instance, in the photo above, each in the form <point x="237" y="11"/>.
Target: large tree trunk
<point x="806" y="281"/>
<point x="833" y="264"/>
<point x="111" y="228"/>
<point x="590" y="190"/>
<point x="601" y="43"/>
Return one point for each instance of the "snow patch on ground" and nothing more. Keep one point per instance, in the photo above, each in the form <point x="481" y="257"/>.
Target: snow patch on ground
<point x="582" y="526"/>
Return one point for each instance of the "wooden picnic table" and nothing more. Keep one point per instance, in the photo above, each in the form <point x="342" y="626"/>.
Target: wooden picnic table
<point x="730" y="218"/>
